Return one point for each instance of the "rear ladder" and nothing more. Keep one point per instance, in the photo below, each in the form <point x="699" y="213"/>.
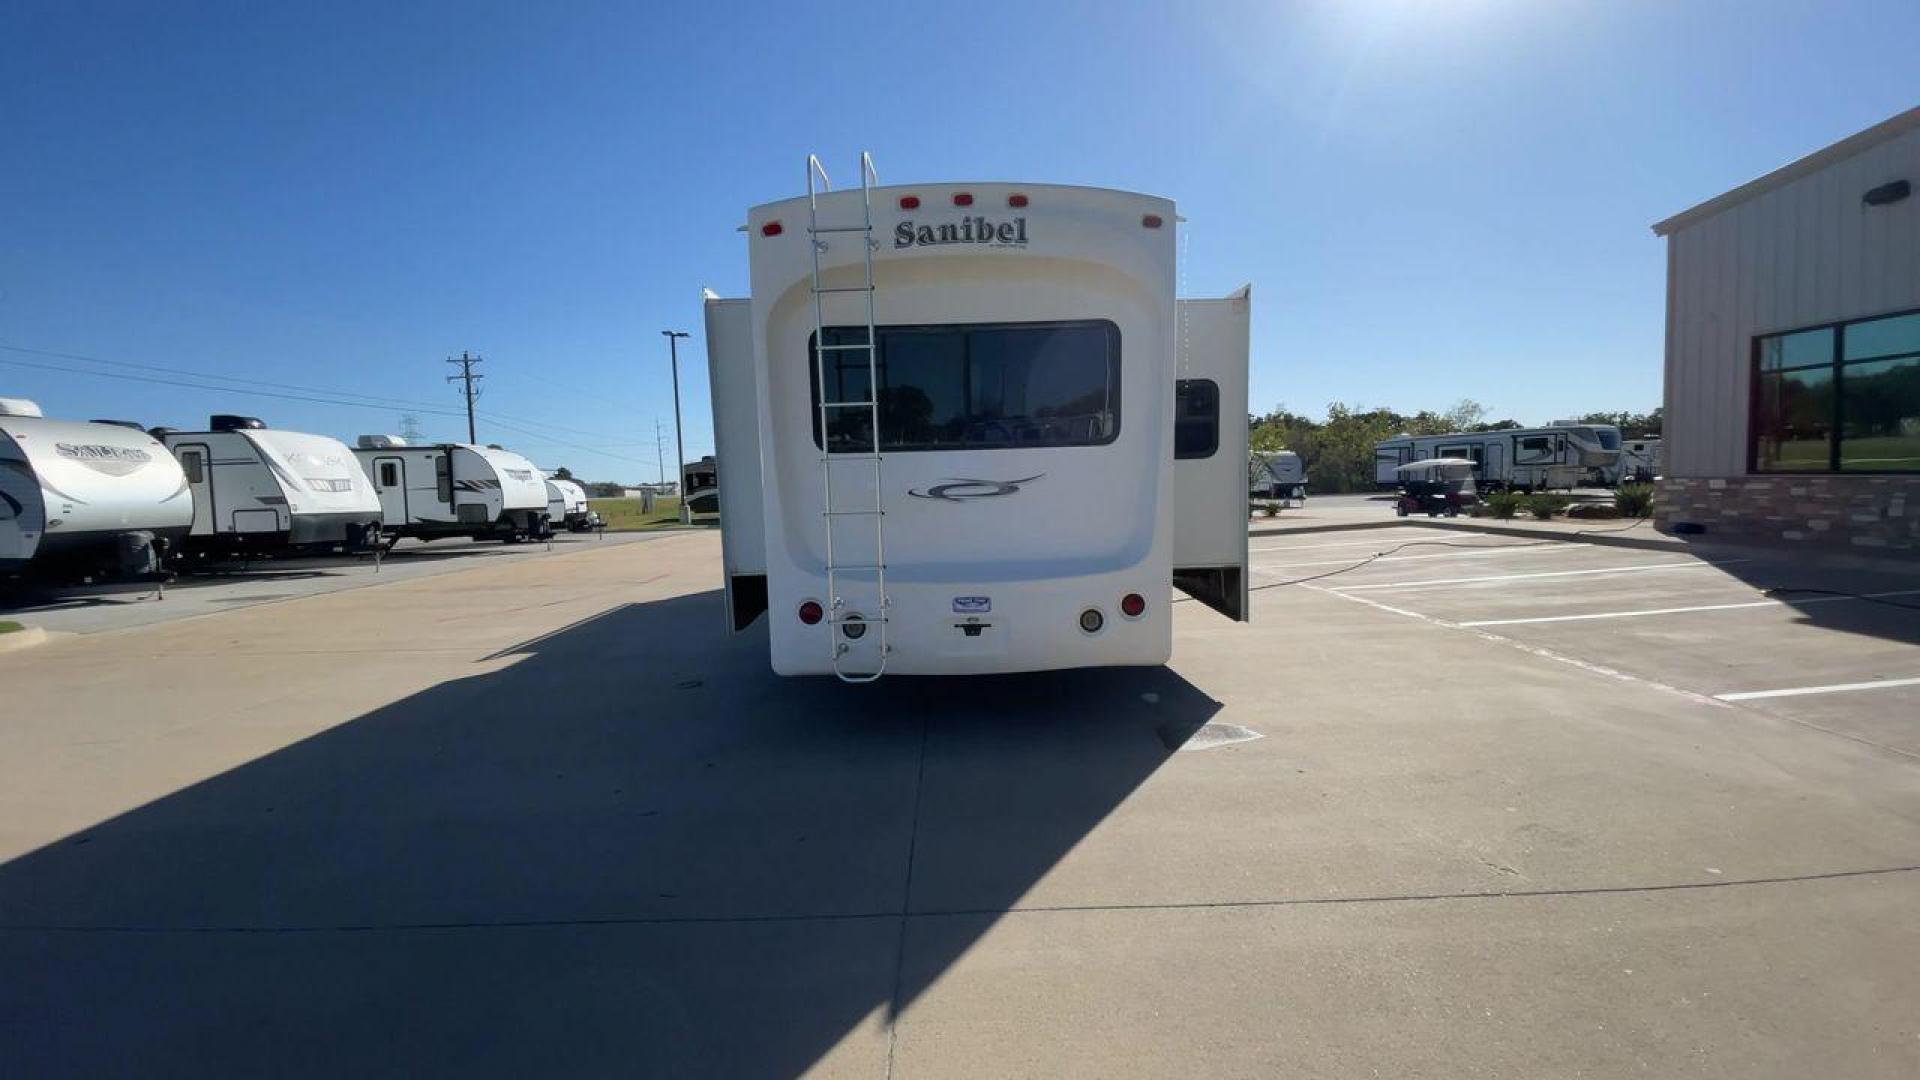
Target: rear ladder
<point x="841" y="609"/>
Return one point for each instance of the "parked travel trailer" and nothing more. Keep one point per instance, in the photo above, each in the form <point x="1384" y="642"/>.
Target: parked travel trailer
<point x="1640" y="461"/>
<point x="1031" y="493"/>
<point x="259" y="490"/>
<point x="84" y="501"/>
<point x="702" y="484"/>
<point x="1528" y="459"/>
<point x="1277" y="476"/>
<point x="567" y="506"/>
<point x="455" y="489"/>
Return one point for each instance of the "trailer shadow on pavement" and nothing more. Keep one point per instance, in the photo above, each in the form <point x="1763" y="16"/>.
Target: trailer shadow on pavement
<point x="624" y="847"/>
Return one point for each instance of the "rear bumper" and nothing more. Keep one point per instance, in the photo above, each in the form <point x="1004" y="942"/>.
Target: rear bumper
<point x="1022" y="626"/>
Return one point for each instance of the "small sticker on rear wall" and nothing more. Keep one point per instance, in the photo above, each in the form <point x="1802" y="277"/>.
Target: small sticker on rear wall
<point x="972" y="605"/>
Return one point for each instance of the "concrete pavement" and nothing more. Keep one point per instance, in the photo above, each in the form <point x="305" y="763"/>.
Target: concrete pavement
<point x="544" y="816"/>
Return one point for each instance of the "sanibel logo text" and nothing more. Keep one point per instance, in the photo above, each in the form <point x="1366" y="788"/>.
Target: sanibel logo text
<point x="968" y="230"/>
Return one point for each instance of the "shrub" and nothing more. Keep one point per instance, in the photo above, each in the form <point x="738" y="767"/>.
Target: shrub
<point x="1634" y="500"/>
<point x="1271" y="510"/>
<point x="1504" y="504"/>
<point x="1592" y="511"/>
<point x="1545" y="506"/>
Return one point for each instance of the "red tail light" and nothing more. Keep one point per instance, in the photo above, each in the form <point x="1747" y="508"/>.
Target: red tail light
<point x="909" y="202"/>
<point x="771" y="228"/>
<point x="1133" y="605"/>
<point x="1151" y="221"/>
<point x="811" y="612"/>
<point x="1016" y="200"/>
<point x="961" y="198"/>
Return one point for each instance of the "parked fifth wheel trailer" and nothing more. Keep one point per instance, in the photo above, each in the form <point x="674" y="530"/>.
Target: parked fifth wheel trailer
<point x="86" y="502"/>
<point x="1562" y="456"/>
<point x="455" y="489"/>
<point x="1019" y="350"/>
<point x="257" y="490"/>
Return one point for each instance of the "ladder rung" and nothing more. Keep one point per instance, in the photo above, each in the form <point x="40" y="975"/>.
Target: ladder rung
<point x="856" y="566"/>
<point x="845" y="288"/>
<point x="853" y="513"/>
<point x="827" y="459"/>
<point x="841" y="228"/>
<point x="848" y="404"/>
<point x="862" y="619"/>
<point x="843" y="348"/>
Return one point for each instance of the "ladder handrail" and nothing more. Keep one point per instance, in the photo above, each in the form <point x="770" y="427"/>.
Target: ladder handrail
<point x="877" y="624"/>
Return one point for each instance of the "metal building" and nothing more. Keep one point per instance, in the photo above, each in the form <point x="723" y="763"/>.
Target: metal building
<point x="1793" y="350"/>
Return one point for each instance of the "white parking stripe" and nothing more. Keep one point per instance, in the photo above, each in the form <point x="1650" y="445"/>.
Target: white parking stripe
<point x="1533" y="650"/>
<point x="1801" y="691"/>
<point x="1387" y="539"/>
<point x="1641" y="569"/>
<point x="1490" y="549"/>
<point x="1685" y="610"/>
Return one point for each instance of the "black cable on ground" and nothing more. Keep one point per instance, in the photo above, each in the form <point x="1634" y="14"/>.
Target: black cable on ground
<point x="1773" y="591"/>
<point x="1437" y="543"/>
<point x="1770" y="592"/>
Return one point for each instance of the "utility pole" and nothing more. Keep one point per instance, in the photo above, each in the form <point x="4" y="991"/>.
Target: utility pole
<point x="659" y="453"/>
<point x="679" y="444"/>
<point x="466" y="379"/>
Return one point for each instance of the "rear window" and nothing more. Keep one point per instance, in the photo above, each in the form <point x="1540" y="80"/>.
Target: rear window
<point x="972" y="387"/>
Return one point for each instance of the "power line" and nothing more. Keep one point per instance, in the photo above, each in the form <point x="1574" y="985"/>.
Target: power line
<point x="425" y="406"/>
<point x="524" y="432"/>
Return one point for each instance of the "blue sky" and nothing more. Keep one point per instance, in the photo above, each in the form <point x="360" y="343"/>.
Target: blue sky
<point x="1434" y="199"/>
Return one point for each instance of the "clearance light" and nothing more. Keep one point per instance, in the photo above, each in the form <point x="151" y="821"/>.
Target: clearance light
<point x="1091" y="620"/>
<point x="909" y="202"/>
<point x="1133" y="605"/>
<point x="771" y="228"/>
<point x="1016" y="200"/>
<point x="961" y="198"/>
<point x="1151" y="221"/>
<point x="811" y="612"/>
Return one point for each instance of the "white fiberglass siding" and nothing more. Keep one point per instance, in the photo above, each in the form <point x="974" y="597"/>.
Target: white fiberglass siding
<point x="1805" y="253"/>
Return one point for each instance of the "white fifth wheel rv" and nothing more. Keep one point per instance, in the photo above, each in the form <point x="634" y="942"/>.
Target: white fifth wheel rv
<point x="85" y="501"/>
<point x="1640" y="461"/>
<point x="455" y="489"/>
<point x="257" y="490"/>
<point x="567" y="506"/>
<point x="1033" y="492"/>
<point x="1524" y="458"/>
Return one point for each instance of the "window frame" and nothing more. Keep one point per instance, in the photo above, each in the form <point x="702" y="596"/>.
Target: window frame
<point x="1213" y="442"/>
<point x="1836" y="369"/>
<point x="1115" y="374"/>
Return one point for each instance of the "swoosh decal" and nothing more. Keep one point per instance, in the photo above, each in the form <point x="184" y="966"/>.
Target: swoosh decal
<point x="961" y="488"/>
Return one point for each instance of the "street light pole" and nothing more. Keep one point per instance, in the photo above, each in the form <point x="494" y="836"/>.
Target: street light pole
<point x="679" y="444"/>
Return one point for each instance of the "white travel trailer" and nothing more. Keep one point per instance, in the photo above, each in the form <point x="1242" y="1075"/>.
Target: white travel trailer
<point x="567" y="506"/>
<point x="1024" y="509"/>
<point x="257" y="490"/>
<point x="1277" y="476"/>
<point x="86" y="502"/>
<point x="455" y="489"/>
<point x="1525" y="458"/>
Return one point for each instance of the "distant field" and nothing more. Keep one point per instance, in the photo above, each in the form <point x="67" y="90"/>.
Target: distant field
<point x="623" y="515"/>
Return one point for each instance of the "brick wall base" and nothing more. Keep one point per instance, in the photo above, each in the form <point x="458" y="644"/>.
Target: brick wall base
<point x="1853" y="512"/>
